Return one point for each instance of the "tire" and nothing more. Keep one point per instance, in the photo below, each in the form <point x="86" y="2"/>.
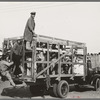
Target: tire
<point x="62" y="89"/>
<point x="55" y="89"/>
<point x="97" y="84"/>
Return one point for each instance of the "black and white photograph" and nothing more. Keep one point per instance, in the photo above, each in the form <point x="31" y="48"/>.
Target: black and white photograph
<point x="49" y="50"/>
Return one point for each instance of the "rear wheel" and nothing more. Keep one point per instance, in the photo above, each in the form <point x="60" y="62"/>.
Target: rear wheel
<point x="97" y="84"/>
<point x="62" y="89"/>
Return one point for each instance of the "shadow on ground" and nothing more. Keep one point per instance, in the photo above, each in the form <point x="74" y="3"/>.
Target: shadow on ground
<point x="16" y="92"/>
<point x="24" y="92"/>
<point x="81" y="89"/>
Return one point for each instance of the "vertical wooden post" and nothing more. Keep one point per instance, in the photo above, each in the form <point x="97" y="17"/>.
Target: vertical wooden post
<point x="48" y="55"/>
<point x="67" y="42"/>
<point x="23" y="55"/>
<point x="2" y="47"/>
<point x="72" y="59"/>
<point x="59" y="64"/>
<point x="33" y="60"/>
<point x="85" y="60"/>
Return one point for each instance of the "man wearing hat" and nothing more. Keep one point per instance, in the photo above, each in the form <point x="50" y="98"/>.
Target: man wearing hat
<point x="29" y="31"/>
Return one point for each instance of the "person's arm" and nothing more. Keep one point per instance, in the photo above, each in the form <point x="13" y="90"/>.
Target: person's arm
<point x="15" y="47"/>
<point x="7" y="63"/>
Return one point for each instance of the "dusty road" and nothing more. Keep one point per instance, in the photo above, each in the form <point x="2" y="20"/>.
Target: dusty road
<point x="8" y="92"/>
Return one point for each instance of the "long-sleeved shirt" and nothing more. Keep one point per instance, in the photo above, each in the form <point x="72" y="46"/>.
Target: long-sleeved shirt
<point x="17" y="49"/>
<point x="28" y="32"/>
<point x="4" y="65"/>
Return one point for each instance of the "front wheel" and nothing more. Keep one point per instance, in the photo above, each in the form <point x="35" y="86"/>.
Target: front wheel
<point x="63" y="89"/>
<point x="97" y="84"/>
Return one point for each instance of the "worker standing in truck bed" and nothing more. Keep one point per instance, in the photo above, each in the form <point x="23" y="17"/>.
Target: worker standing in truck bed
<point x="29" y="31"/>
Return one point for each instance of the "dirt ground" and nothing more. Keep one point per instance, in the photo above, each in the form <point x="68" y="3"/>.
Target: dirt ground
<point x="8" y="92"/>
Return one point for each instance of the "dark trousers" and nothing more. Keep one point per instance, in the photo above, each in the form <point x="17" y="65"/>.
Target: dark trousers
<point x="16" y="60"/>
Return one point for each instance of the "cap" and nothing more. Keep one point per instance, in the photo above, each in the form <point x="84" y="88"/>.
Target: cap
<point x="33" y="13"/>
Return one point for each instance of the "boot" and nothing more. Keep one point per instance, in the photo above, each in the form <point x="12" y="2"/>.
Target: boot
<point x="28" y="47"/>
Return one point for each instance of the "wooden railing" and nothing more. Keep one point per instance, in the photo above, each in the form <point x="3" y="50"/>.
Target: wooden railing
<point x="54" y="62"/>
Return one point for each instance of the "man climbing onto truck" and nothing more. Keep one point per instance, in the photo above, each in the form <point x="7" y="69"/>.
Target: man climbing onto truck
<point x="4" y="65"/>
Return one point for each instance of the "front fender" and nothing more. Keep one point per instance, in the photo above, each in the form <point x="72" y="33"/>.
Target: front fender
<point x="93" y="78"/>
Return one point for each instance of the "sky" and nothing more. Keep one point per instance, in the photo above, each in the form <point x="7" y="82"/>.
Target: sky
<point x="75" y="21"/>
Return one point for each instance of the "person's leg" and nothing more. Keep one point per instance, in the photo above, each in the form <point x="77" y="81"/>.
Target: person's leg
<point x="9" y="78"/>
<point x="28" y="46"/>
<point x="14" y="60"/>
<point x="12" y="82"/>
<point x="17" y="64"/>
<point x="22" y="69"/>
<point x="15" y="69"/>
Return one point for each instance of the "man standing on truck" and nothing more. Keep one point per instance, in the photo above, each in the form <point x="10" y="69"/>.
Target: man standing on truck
<point x="29" y="31"/>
